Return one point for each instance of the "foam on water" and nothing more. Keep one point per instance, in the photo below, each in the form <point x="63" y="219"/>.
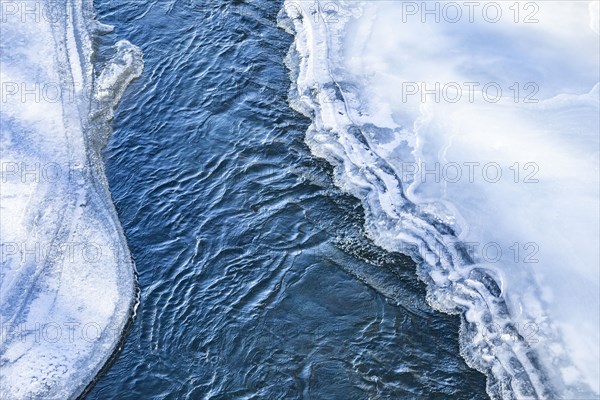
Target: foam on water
<point x="67" y="278"/>
<point x="446" y="180"/>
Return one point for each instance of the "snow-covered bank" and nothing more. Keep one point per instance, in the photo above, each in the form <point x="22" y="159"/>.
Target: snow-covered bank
<point x="471" y="137"/>
<point x="67" y="278"/>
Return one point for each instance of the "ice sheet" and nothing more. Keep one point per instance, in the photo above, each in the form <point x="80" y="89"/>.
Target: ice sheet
<point x="67" y="285"/>
<point x="496" y="196"/>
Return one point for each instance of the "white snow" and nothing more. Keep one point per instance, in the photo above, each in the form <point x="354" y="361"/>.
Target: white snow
<point x="514" y="175"/>
<point x="67" y="279"/>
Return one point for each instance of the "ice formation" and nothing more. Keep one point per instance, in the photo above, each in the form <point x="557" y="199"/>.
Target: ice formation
<point x="470" y="132"/>
<point x="67" y="287"/>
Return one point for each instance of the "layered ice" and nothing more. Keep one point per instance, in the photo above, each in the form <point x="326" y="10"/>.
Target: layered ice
<point x="470" y="132"/>
<point x="67" y="288"/>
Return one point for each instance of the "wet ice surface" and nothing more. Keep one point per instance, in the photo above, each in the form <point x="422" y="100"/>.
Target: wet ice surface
<point x="495" y="196"/>
<point x="67" y="279"/>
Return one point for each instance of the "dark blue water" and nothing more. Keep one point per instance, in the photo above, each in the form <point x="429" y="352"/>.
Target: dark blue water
<point x="256" y="279"/>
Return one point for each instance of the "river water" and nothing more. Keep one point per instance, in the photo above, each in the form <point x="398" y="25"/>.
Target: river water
<point x="256" y="279"/>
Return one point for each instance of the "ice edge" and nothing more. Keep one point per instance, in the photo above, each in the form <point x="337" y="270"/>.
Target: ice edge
<point x="515" y="373"/>
<point x="73" y="36"/>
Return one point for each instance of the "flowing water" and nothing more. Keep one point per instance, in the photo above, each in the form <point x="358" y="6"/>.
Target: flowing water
<point x="256" y="278"/>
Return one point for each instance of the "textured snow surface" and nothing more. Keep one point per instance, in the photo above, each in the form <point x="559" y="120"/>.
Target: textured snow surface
<point x="67" y="284"/>
<point x="494" y="193"/>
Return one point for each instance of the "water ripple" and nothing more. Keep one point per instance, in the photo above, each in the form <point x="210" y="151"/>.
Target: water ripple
<point x="256" y="279"/>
